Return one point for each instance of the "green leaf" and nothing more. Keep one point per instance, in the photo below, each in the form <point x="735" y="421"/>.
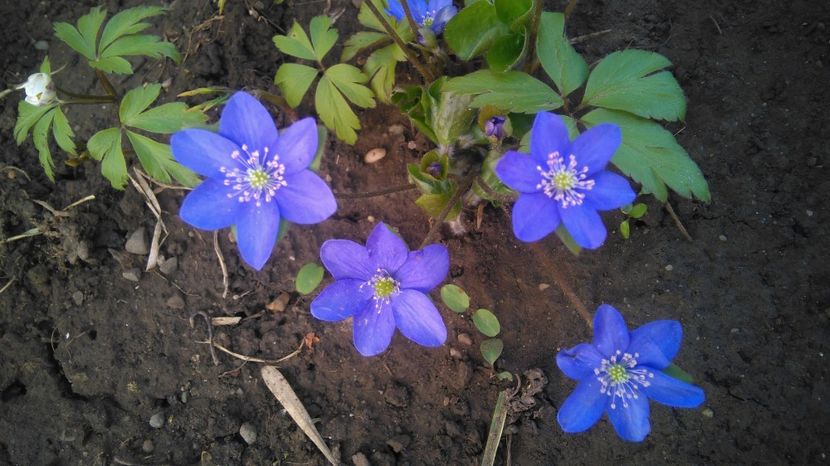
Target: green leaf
<point x="167" y="118"/>
<point x="360" y="41"/>
<point x="89" y="25"/>
<point x="295" y="43"/>
<point x="652" y="157"/>
<point x="137" y="100"/>
<point x="450" y="114"/>
<point x="105" y="145"/>
<point x="112" y="65"/>
<point x="63" y="132"/>
<point x="568" y="240"/>
<point x="506" y="51"/>
<point x="486" y="322"/>
<point x="294" y="80"/>
<point x="144" y="45"/>
<point x="101" y="142"/>
<point x="309" y="277"/>
<point x="512" y="91"/>
<point x="45" y="66"/>
<point x="27" y="116"/>
<point x="127" y="22"/>
<point x="322" y="139"/>
<point x="513" y="13"/>
<point x="624" y="81"/>
<point x="560" y="61"/>
<point x="70" y="35"/>
<point x="335" y="111"/>
<point x="350" y="81"/>
<point x="473" y="30"/>
<point x="434" y="204"/>
<point x="638" y="210"/>
<point x="323" y="37"/>
<point x="625" y="229"/>
<point x="380" y="67"/>
<point x="40" y="137"/>
<point x="154" y="156"/>
<point x="675" y="371"/>
<point x="491" y="349"/>
<point x="455" y="298"/>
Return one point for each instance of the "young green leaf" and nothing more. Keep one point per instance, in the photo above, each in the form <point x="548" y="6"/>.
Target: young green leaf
<point x="675" y="371"/>
<point x="309" y="278"/>
<point x="137" y="100"/>
<point x="380" y="67"/>
<point x="486" y="322"/>
<point x="335" y="111"/>
<point x="435" y="203"/>
<point x="513" y="13"/>
<point x="295" y="43"/>
<point x="625" y="229"/>
<point x="350" y="81"/>
<point x="322" y="138"/>
<point x="624" y="81"/>
<point x="167" y="118"/>
<point x="63" y="132"/>
<point x="90" y="23"/>
<point x="506" y="51"/>
<point x="560" y="61"/>
<point x="71" y="37"/>
<point x="294" y="80"/>
<point x="491" y="349"/>
<point x="361" y="40"/>
<point x="512" y="91"/>
<point x="652" y="157"/>
<point x="45" y="66"/>
<point x="323" y="37"/>
<point x="638" y="210"/>
<point x="568" y="240"/>
<point x="145" y="45"/>
<point x="105" y="145"/>
<point x="40" y="137"/>
<point x="112" y="65"/>
<point x="154" y="156"/>
<point x="472" y="31"/>
<point x="27" y="116"/>
<point x="455" y="298"/>
<point x="127" y="22"/>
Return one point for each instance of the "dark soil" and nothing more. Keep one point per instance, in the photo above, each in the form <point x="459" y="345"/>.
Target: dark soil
<point x="87" y="357"/>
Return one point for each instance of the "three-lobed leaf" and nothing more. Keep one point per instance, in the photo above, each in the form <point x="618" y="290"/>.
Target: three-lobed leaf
<point x="512" y="91"/>
<point x="561" y="62"/>
<point x="361" y="40"/>
<point x="296" y="43"/>
<point x="380" y="68"/>
<point x="105" y="145"/>
<point x="294" y="79"/>
<point x="157" y="160"/>
<point x="335" y="112"/>
<point x="323" y="37"/>
<point x="127" y="22"/>
<point x="164" y="119"/>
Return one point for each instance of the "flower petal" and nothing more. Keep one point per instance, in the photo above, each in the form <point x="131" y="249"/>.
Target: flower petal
<point x="580" y="361"/>
<point x="611" y="191"/>
<point x="610" y="331"/>
<point x="203" y="151"/>
<point x="441" y="19"/>
<point x="374" y="326"/>
<point x="395" y="9"/>
<point x="519" y="172"/>
<point x="631" y="422"/>
<point x="297" y="145"/>
<point x="534" y="217"/>
<point x="649" y="354"/>
<point x="583" y="408"/>
<point x="245" y="121"/>
<point x="346" y="259"/>
<point x="424" y="269"/>
<point x="256" y="232"/>
<point x="387" y="250"/>
<point x="549" y="134"/>
<point x="666" y="334"/>
<point x="418" y="319"/>
<point x="306" y="198"/>
<point x="210" y="206"/>
<point x="595" y="147"/>
<point x="673" y="392"/>
<point x="584" y="224"/>
<point x="341" y="299"/>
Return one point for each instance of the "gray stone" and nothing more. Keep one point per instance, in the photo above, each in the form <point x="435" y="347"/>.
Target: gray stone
<point x="359" y="459"/>
<point x="147" y="446"/>
<point x="169" y="266"/>
<point x="78" y="298"/>
<point x="465" y="339"/>
<point x="137" y="243"/>
<point x="175" y="302"/>
<point x="132" y="275"/>
<point x="248" y="433"/>
<point x="41" y="45"/>
<point x="157" y="421"/>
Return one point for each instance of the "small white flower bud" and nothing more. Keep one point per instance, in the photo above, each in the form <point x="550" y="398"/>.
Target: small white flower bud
<point x="40" y="90"/>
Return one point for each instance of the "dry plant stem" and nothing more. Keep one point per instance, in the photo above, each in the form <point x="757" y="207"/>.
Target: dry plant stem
<point x="85" y="99"/>
<point x="569" y="293"/>
<point x="243" y="357"/>
<point x="496" y="429"/>
<point x="462" y="189"/>
<point x="497" y="196"/>
<point x="585" y="37"/>
<point x="570" y="8"/>
<point x="394" y="189"/>
<point x="105" y="82"/>
<point x="395" y="37"/>
<point x="26" y="234"/>
<point x="210" y="333"/>
<point x="677" y="222"/>
<point x="7" y="285"/>
<point x="141" y="185"/>
<point x="221" y="264"/>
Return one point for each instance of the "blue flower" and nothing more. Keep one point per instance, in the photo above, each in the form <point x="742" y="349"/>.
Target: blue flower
<point x="432" y="14"/>
<point x="494" y="127"/>
<point x="383" y="286"/>
<point x="564" y="182"/>
<point x="254" y="177"/>
<point x="619" y="372"/>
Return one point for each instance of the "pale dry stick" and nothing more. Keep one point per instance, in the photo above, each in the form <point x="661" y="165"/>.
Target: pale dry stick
<point x="26" y="234"/>
<point x="584" y="37"/>
<point x="140" y="184"/>
<point x="496" y="429"/>
<point x="254" y="358"/>
<point x="19" y="170"/>
<point x="717" y="26"/>
<point x="563" y="285"/>
<point x="677" y="222"/>
<point x="283" y="392"/>
<point x="204" y="315"/>
<point x="7" y="285"/>
<point x="91" y="197"/>
<point x="221" y="264"/>
<point x="392" y="190"/>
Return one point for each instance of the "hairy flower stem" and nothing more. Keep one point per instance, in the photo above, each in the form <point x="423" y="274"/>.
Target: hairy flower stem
<point x="425" y="73"/>
<point x="394" y="189"/>
<point x="462" y="189"/>
<point x="533" y="64"/>
<point x="409" y="18"/>
<point x="106" y="84"/>
<point x="555" y="271"/>
<point x="85" y="98"/>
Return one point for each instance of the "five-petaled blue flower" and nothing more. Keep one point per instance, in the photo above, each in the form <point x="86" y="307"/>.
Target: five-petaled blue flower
<point x="619" y="372"/>
<point x="432" y="14"/>
<point x="254" y="177"/>
<point x="564" y="182"/>
<point x="383" y="286"/>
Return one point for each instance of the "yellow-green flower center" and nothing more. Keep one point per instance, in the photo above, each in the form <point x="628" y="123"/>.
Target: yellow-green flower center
<point x="384" y="287"/>
<point x="618" y="374"/>
<point x="258" y="178"/>
<point x="564" y="181"/>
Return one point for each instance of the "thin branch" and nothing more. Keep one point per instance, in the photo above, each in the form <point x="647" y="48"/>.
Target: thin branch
<point x="394" y="35"/>
<point x="534" y="32"/>
<point x="221" y="263"/>
<point x="462" y="189"/>
<point x="243" y="357"/>
<point x="570" y="8"/>
<point x="204" y="315"/>
<point x="394" y="189"/>
<point x="409" y="18"/>
<point x="585" y="37"/>
<point x="677" y="222"/>
<point x="493" y="194"/>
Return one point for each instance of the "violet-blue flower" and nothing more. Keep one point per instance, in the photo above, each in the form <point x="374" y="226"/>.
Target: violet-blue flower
<point x="564" y="182"/>
<point x="494" y="127"/>
<point x="619" y="371"/>
<point x="254" y="176"/>
<point x="432" y="14"/>
<point x="383" y="286"/>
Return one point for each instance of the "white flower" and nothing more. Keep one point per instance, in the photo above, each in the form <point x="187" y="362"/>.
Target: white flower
<point x="39" y="89"/>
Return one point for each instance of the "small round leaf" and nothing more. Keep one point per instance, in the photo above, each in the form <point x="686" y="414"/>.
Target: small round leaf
<point x="625" y="229"/>
<point x="491" y="349"/>
<point x="455" y="298"/>
<point x="638" y="210"/>
<point x="486" y="322"/>
<point x="309" y="277"/>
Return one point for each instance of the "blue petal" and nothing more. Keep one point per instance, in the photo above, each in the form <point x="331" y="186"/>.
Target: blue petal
<point x="245" y="121"/>
<point x="649" y="354"/>
<point x="443" y="16"/>
<point x="534" y="217"/>
<point x="584" y="224"/>
<point x="395" y="9"/>
<point x="610" y="331"/>
<point x="665" y="334"/>
<point x="419" y="9"/>
<point x="256" y="232"/>
<point x="549" y="134"/>
<point x="341" y="299"/>
<point x="418" y="319"/>
<point x="519" y="172"/>
<point x="672" y="392"/>
<point x="611" y="191"/>
<point x="203" y="151"/>
<point x="211" y="206"/>
<point x="424" y="269"/>
<point x="580" y="361"/>
<point x="297" y="145"/>
<point x="436" y="5"/>
<point x="387" y="250"/>
<point x="631" y="422"/>
<point x="346" y="259"/>
<point x="306" y="199"/>
<point x="595" y="147"/>
<point x="583" y="408"/>
<point x="374" y="326"/>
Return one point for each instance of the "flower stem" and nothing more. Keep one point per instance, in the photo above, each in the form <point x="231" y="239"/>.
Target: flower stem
<point x="395" y="37"/>
<point x="409" y="18"/>
<point x="85" y="98"/>
<point x="570" y="8"/>
<point x="465" y="185"/>
<point x="106" y="84"/>
<point x="532" y="62"/>
<point x="394" y="189"/>
<point x="555" y="271"/>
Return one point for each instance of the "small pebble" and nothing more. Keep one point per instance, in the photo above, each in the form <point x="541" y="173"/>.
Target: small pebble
<point x="669" y="268"/>
<point x="370" y="219"/>
<point x="184" y="396"/>
<point x="41" y="45"/>
<point x="279" y="304"/>
<point x="157" y="420"/>
<point x="734" y="330"/>
<point x="722" y="237"/>
<point x="359" y="459"/>
<point x="132" y="275"/>
<point x="169" y="266"/>
<point x="810" y="213"/>
<point x="374" y="155"/>
<point x="411" y="145"/>
<point x="465" y="339"/>
<point x="543" y="286"/>
<point x="78" y="298"/>
<point x="396" y="130"/>
<point x="455" y="354"/>
<point x="137" y="243"/>
<point x="175" y="302"/>
<point x="147" y="446"/>
<point x="328" y="178"/>
<point x="707" y="413"/>
<point x="248" y="433"/>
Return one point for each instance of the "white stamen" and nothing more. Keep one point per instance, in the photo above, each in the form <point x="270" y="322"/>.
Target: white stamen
<point x="562" y="182"/>
<point x="384" y="287"/>
<point x="620" y="378"/>
<point x="254" y="180"/>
